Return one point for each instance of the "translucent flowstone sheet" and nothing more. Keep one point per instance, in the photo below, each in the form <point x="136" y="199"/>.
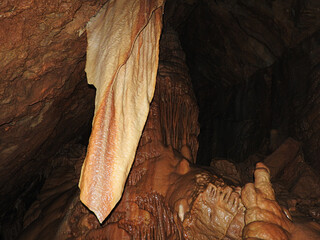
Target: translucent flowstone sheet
<point x="122" y="62"/>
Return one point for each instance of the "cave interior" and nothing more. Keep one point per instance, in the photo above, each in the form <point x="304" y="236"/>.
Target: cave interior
<point x="255" y="71"/>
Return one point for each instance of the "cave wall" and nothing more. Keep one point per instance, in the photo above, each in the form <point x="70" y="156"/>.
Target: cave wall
<point x="44" y="98"/>
<point x="298" y="77"/>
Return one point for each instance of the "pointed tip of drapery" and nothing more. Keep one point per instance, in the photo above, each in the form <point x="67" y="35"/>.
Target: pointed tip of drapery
<point x="100" y="212"/>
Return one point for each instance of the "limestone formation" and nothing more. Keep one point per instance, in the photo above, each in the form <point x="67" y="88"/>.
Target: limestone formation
<point x="122" y="63"/>
<point x="254" y="70"/>
<point x="166" y="195"/>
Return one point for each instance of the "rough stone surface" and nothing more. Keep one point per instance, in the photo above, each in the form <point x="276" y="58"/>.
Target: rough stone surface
<point x="44" y="98"/>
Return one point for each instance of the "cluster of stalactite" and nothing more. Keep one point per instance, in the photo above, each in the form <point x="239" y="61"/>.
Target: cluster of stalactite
<point x="162" y="226"/>
<point x="178" y="108"/>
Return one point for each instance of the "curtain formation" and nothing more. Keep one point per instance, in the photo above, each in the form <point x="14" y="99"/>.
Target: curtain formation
<point x="122" y="62"/>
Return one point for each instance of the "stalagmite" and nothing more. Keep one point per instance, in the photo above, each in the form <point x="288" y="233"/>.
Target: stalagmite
<point x="122" y="62"/>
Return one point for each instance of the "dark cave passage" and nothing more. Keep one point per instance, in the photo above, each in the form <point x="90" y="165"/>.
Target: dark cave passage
<point x="253" y="81"/>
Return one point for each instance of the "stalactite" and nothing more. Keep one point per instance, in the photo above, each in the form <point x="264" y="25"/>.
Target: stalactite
<point x="178" y="107"/>
<point x="164" y="226"/>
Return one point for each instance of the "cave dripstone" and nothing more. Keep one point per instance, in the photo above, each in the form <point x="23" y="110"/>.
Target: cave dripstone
<point x="45" y="101"/>
<point x="254" y="70"/>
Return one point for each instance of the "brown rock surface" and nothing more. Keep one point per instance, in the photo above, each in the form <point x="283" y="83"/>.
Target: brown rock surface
<point x="227" y="170"/>
<point x="282" y="157"/>
<point x="44" y="98"/>
<point x="58" y="194"/>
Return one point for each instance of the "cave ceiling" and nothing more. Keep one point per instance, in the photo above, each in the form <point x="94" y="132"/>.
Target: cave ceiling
<point x="254" y="67"/>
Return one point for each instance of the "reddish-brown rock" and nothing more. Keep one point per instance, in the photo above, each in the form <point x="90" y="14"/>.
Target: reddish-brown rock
<point x="44" y="97"/>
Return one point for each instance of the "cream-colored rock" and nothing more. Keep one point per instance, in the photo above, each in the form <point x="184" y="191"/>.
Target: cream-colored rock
<point x="122" y="62"/>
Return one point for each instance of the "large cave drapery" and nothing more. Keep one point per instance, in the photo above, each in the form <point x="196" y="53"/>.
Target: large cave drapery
<point x="122" y="62"/>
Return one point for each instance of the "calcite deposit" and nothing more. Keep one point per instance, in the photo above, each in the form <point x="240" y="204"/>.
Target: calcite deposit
<point x="254" y="70"/>
<point x="167" y="196"/>
<point x="122" y="63"/>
